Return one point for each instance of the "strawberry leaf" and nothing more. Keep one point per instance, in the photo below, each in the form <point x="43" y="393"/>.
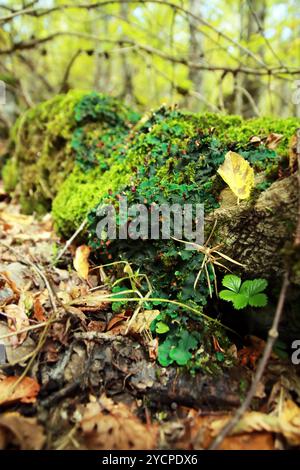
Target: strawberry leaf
<point x="240" y="301"/>
<point x="251" y="288"/>
<point x="258" y="300"/>
<point x="232" y="282"/>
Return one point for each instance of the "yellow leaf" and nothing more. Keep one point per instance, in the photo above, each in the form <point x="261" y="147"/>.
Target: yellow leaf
<point x="238" y="174"/>
<point x="81" y="263"/>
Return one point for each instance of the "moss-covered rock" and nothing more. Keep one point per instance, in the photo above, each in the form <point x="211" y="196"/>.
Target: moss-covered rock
<point x="48" y="139"/>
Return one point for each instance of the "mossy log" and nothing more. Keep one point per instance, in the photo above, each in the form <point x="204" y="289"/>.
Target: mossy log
<point x="80" y="150"/>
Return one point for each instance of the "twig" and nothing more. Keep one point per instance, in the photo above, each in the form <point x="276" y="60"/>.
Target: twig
<point x="94" y="335"/>
<point x="70" y="241"/>
<point x="272" y="336"/>
<point x="23" y="330"/>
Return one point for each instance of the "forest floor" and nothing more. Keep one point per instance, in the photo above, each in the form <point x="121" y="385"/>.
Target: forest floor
<point x="74" y="376"/>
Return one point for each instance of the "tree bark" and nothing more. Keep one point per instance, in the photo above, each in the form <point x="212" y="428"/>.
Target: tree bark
<point x="253" y="14"/>
<point x="195" y="54"/>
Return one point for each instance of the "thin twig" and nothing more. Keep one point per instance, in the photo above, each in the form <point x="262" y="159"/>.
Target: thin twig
<point x="273" y="334"/>
<point x="70" y="241"/>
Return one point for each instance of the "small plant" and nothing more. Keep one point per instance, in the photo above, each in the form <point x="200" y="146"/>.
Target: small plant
<point x="244" y="294"/>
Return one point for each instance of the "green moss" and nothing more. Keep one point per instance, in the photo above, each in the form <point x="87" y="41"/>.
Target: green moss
<point x="48" y="140"/>
<point x="263" y="127"/>
<point x="174" y="145"/>
<point x="82" y="191"/>
<point x="10" y="175"/>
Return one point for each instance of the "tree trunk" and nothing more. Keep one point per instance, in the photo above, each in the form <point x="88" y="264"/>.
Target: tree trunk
<point x="253" y="14"/>
<point x="127" y="90"/>
<point x="195" y="54"/>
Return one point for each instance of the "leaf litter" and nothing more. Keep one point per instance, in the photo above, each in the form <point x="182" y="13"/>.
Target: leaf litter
<point x="88" y="381"/>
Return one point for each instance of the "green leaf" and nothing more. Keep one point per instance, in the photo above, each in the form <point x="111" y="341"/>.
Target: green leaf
<point x="240" y="301"/>
<point x="251" y="288"/>
<point x="181" y="353"/>
<point x="161" y="328"/>
<point x="227" y="295"/>
<point x="164" y="353"/>
<point x="258" y="300"/>
<point x="180" y="356"/>
<point x="232" y="282"/>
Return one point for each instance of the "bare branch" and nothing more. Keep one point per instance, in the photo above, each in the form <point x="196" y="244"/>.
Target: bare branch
<point x="38" y="12"/>
<point x="151" y="50"/>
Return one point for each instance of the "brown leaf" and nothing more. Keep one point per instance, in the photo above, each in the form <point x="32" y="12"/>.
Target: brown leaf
<point x="285" y="421"/>
<point x="116" y="320"/>
<point x="273" y="140"/>
<point x="25" y="433"/>
<point x="38" y="311"/>
<point x="11" y="391"/>
<point x="200" y="434"/>
<point x="143" y="320"/>
<point x="80" y="262"/>
<point x="17" y="320"/>
<point x="106" y="425"/>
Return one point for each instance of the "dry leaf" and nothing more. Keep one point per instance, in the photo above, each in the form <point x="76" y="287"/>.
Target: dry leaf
<point x="17" y="320"/>
<point x="38" y="311"/>
<point x="81" y="263"/>
<point x="25" y="433"/>
<point x="143" y="321"/>
<point x="238" y="174"/>
<point x="273" y="140"/>
<point x="106" y="425"/>
<point x="25" y="391"/>
<point x="199" y="433"/>
<point x="116" y="320"/>
<point x="285" y="421"/>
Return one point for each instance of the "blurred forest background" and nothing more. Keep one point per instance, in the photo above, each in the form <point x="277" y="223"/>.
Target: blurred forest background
<point x="229" y="56"/>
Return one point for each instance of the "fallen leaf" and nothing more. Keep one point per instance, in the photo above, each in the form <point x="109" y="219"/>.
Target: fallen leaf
<point x="199" y="433"/>
<point x="273" y="140"/>
<point x="238" y="174"/>
<point x="11" y="391"/>
<point x="14" y="354"/>
<point x="38" y="311"/>
<point x="106" y="425"/>
<point x="143" y="321"/>
<point x="116" y="320"/>
<point x="81" y="263"/>
<point x="25" y="433"/>
<point x="285" y="421"/>
<point x="17" y="320"/>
